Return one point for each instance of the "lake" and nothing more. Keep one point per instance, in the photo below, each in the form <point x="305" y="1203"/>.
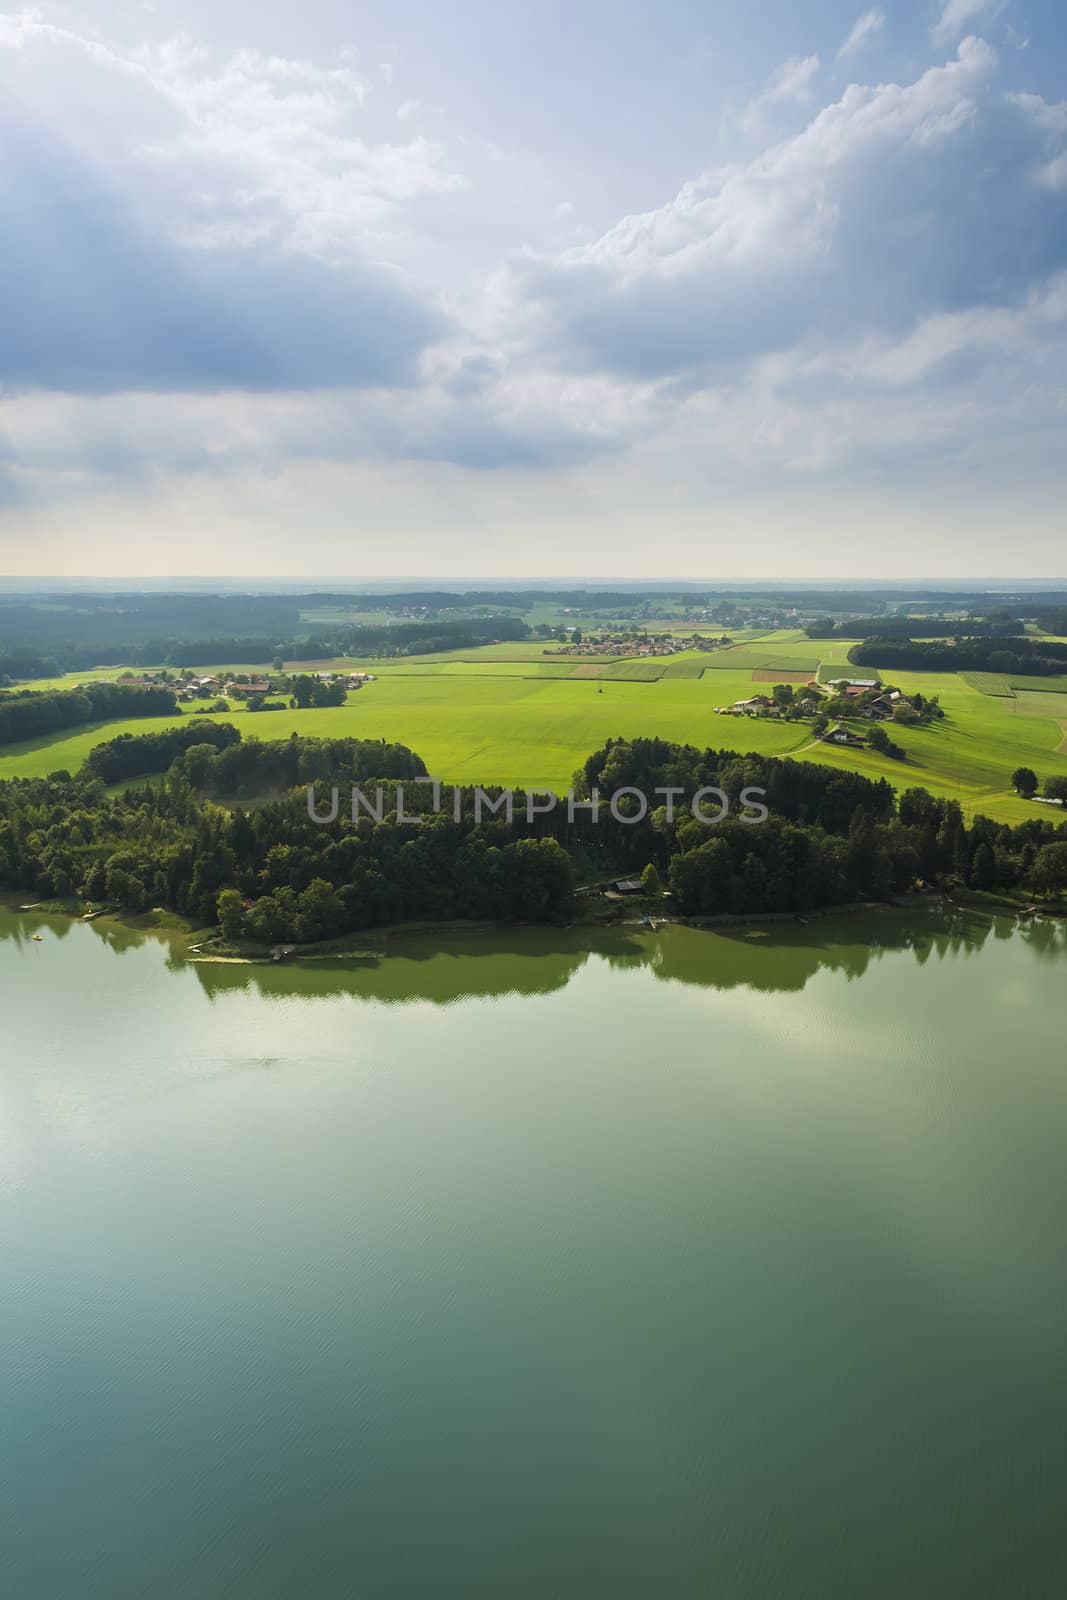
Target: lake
<point x="536" y="1264"/>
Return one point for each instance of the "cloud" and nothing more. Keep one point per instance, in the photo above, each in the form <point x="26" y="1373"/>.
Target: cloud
<point x="957" y="17"/>
<point x="950" y="346"/>
<point x="880" y="287"/>
<point x="791" y="83"/>
<point x="484" y="422"/>
<point x="265" y="146"/>
<point x="1049" y="116"/>
<point x="886" y="286"/>
<point x="887" y="204"/>
<point x="864" y="29"/>
<point x="1049" y="119"/>
<point x="105" y="304"/>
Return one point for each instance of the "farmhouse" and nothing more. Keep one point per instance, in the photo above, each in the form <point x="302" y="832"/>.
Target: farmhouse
<point x="840" y="735"/>
<point x="880" y="710"/>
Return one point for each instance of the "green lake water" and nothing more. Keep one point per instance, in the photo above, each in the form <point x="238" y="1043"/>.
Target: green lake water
<point x="536" y="1265"/>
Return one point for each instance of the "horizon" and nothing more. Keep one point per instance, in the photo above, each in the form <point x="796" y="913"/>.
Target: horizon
<point x="41" y="583"/>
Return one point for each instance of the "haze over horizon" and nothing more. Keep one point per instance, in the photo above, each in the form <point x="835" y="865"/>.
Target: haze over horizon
<point x="537" y="291"/>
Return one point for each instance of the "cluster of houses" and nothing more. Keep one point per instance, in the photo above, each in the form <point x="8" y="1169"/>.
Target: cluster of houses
<point x="238" y="689"/>
<point x="806" y="702"/>
<point x="880" y="708"/>
<point x="873" y="703"/>
<point x="234" y="686"/>
<point x="664" y="644"/>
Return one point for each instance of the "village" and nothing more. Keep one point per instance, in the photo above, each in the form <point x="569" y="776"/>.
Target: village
<point x="188" y="685"/>
<point x="639" y="645"/>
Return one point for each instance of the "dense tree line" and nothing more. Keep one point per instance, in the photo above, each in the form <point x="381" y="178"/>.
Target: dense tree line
<point x="80" y="642"/>
<point x="903" y="627"/>
<point x="424" y="638"/>
<point x="46" y="635"/>
<point x="294" y="879"/>
<point x="800" y="791"/>
<point x="24" y="661"/>
<point x="26" y="714"/>
<point x="831" y="838"/>
<point x="242" y="768"/>
<point x="1039" y="658"/>
<point x="271" y="873"/>
<point x="134" y="755"/>
<point x="361" y="640"/>
<point x="79" y="632"/>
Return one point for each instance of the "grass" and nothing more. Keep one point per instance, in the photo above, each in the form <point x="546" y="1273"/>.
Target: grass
<point x="994" y="683"/>
<point x="509" y="714"/>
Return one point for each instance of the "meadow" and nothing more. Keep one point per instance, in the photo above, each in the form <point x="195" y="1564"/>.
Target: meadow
<point x="510" y="714"/>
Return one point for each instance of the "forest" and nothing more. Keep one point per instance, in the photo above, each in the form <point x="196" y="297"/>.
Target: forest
<point x="904" y="627"/>
<point x="1038" y="658"/>
<point x="41" y="638"/>
<point x="45" y="635"/>
<point x="28" y="715"/>
<point x="269" y="873"/>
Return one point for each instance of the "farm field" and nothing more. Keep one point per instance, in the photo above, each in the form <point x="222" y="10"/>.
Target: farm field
<point x="489" y="716"/>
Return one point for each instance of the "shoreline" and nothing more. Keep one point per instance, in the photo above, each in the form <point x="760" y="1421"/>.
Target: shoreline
<point x="203" y="946"/>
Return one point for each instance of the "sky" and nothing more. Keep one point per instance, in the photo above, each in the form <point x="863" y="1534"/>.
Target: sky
<point x="531" y="289"/>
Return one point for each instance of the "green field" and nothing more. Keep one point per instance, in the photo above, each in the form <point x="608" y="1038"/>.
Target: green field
<point x="509" y="714"/>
